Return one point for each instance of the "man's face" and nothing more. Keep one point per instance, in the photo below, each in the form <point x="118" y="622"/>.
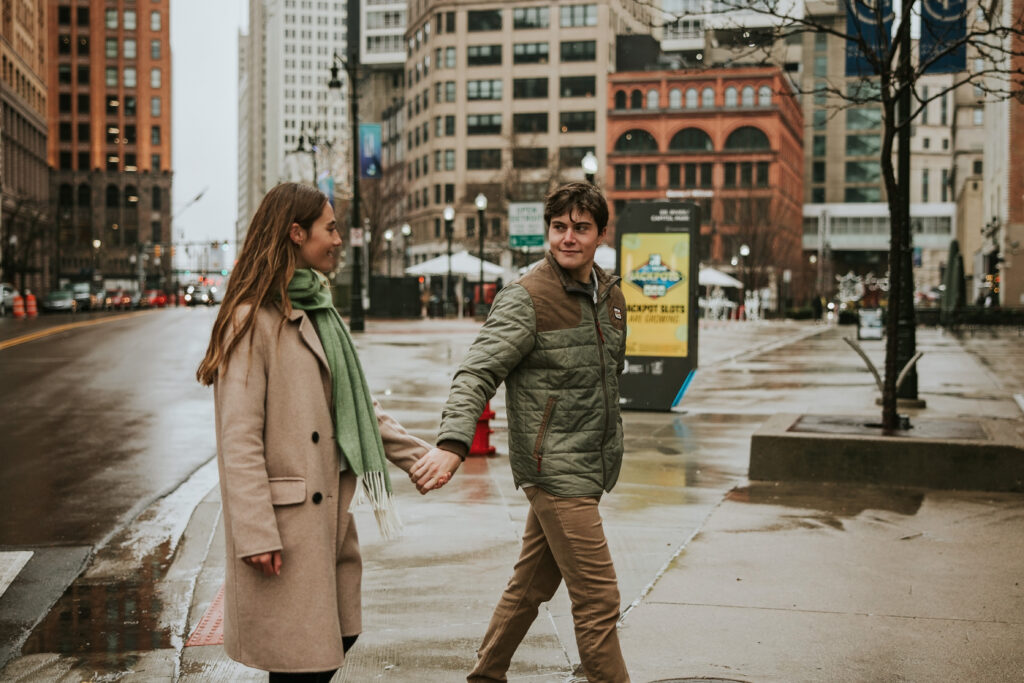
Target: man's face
<point x="574" y="239"/>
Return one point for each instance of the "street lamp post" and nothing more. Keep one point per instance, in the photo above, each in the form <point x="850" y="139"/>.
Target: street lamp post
<point x="589" y="164"/>
<point x="406" y="238"/>
<point x="449" y="216"/>
<point x="388" y="236"/>
<point x="96" y="277"/>
<point x="481" y="206"/>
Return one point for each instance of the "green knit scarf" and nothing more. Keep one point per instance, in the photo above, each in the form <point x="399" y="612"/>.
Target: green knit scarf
<point x="355" y="422"/>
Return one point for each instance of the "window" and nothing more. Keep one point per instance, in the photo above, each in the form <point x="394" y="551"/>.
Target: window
<point x="978" y="167"/>
<point x="818" y="146"/>
<point x="449" y="125"/>
<point x="747" y="138"/>
<point x="730" y="96"/>
<point x="636" y="99"/>
<point x="747" y="96"/>
<point x="129" y="20"/>
<point x="652" y="99"/>
<point x="691" y="98"/>
<point x="675" y="98"/>
<point x="154" y="106"/>
<point x="484" y="20"/>
<point x="83" y="74"/>
<point x="111" y="76"/>
<point x="111" y="18"/>
<point x="64" y="73"/>
<point x="530" y="123"/>
<point x="818" y="195"/>
<point x="818" y="172"/>
<point x="130" y="49"/>
<point x="484" y="90"/>
<point x="530" y="53"/>
<point x="578" y="15"/>
<point x="636" y="176"/>
<point x="530" y="17"/>
<point x="111" y="48"/>
<point x="979" y="116"/>
<point x="82" y="16"/>
<point x="944" y="187"/>
<point x="64" y="15"/>
<point x="529" y="157"/>
<point x="578" y="86"/>
<point x="529" y="88"/>
<point x="577" y="121"/>
<point x="820" y="41"/>
<point x="483" y="124"/>
<point x="83" y="133"/>
<point x="863" y="145"/>
<point x="154" y="21"/>
<point x="129" y="77"/>
<point x="821" y="66"/>
<point x="571" y="157"/>
<point x="154" y="78"/>
<point x="620" y="99"/>
<point x="579" y="51"/>
<point x="691" y="140"/>
<point x="926" y="143"/>
<point x="864" y="118"/>
<point x="764" y="96"/>
<point x="449" y="22"/>
<point x="820" y="119"/>
<point x="156" y="201"/>
<point x="83" y="162"/>
<point x="636" y="141"/>
<point x="483" y="55"/>
<point x="865" y="172"/>
<point x="924" y="185"/>
<point x="620" y="171"/>
<point x="154" y="135"/>
<point x="65" y="128"/>
<point x="449" y="58"/>
<point x="862" y="194"/>
<point x="129" y="105"/>
<point x="483" y="159"/>
<point x="707" y="97"/>
<point x="154" y="161"/>
<point x="83" y="103"/>
<point x="154" y="49"/>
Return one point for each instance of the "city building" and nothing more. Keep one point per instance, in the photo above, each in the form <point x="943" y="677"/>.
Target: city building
<point x="27" y="232"/>
<point x="503" y="99"/>
<point x="109" y="118"/>
<point x="729" y="140"/>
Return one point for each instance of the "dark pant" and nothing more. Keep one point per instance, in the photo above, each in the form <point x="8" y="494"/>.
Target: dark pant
<point x="312" y="677"/>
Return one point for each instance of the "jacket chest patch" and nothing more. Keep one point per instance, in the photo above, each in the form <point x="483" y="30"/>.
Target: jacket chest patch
<point x="617" y="312"/>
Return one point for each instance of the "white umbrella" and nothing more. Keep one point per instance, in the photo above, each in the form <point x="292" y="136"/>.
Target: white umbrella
<point x="716" y="278"/>
<point x="463" y="264"/>
<point x="604" y="257"/>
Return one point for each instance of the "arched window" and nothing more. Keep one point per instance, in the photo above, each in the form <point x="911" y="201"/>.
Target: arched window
<point x="675" y="98"/>
<point x="636" y="140"/>
<point x="113" y="197"/>
<point x="764" y="96"/>
<point x="707" y="98"/>
<point x="748" y="96"/>
<point x="620" y="99"/>
<point x="66" y="195"/>
<point x="652" y="99"/>
<point x="636" y="100"/>
<point x="730" y="96"/>
<point x="131" y="196"/>
<point x="691" y="140"/>
<point x="747" y="138"/>
<point x="691" y="98"/>
<point x="84" y="195"/>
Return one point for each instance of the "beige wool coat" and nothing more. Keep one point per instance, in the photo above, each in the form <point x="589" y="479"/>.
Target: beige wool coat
<point x="281" y="490"/>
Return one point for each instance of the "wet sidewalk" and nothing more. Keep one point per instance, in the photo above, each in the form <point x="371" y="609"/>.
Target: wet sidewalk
<point x="720" y="578"/>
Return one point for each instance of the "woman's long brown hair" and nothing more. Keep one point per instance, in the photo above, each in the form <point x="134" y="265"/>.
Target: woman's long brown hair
<point x="265" y="267"/>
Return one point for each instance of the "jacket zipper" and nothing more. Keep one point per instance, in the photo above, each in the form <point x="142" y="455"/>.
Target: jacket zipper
<point x="538" y="446"/>
<point x="604" y="389"/>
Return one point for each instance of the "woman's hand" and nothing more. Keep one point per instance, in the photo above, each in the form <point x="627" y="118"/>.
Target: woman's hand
<point x="268" y="563"/>
<point x="434" y="469"/>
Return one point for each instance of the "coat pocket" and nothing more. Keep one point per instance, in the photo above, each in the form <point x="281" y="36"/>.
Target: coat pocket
<point x="538" y="446"/>
<point x="287" y="490"/>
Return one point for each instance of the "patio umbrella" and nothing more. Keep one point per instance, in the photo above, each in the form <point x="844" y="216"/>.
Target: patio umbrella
<point x="464" y="264"/>
<point x="716" y="278"/>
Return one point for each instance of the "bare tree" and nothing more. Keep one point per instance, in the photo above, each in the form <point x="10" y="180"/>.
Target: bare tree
<point x="28" y="229"/>
<point x="890" y="70"/>
<point x="760" y="222"/>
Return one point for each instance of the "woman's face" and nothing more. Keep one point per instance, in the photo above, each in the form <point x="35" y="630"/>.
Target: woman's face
<point x="318" y="246"/>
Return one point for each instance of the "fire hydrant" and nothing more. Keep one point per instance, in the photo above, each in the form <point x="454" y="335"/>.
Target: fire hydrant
<point x="482" y="436"/>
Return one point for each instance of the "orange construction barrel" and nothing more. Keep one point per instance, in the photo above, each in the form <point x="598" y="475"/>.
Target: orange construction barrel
<point x="30" y="305"/>
<point x="18" y="309"/>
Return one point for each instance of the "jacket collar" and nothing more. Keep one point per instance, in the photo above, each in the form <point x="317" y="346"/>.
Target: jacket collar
<point x="308" y="333"/>
<point x="605" y="281"/>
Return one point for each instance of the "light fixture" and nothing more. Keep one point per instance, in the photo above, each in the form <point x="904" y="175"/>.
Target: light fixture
<point x="481" y="202"/>
<point x="449" y="213"/>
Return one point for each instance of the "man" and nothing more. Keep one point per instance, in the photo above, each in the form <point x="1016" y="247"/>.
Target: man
<point x="557" y="338"/>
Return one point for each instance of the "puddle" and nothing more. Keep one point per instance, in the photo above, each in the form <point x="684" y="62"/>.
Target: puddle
<point x="836" y="500"/>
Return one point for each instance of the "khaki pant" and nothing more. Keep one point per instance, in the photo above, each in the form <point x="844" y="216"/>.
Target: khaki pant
<point x="564" y="539"/>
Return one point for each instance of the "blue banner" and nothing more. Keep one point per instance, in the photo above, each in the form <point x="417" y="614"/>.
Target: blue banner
<point x="869" y="27"/>
<point x="369" y="150"/>
<point x="325" y="183"/>
<point x="943" y="27"/>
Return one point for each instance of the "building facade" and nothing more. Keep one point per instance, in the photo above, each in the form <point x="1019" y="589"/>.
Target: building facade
<point x="27" y="232"/>
<point x="109" y="116"/>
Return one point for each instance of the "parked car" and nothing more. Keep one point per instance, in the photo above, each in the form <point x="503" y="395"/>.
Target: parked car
<point x="153" y="298"/>
<point x="85" y="298"/>
<point x="7" y="294"/>
<point x="196" y="295"/>
<point x="117" y="298"/>
<point x="60" y="300"/>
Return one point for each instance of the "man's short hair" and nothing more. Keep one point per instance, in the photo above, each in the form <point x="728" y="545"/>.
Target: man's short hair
<point x="576" y="197"/>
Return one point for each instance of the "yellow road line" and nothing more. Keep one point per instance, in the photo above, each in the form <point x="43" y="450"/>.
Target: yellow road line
<point x="39" y="334"/>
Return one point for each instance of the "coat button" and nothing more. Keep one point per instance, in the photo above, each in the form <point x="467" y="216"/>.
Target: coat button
<point x="316" y="437"/>
<point x="317" y="497"/>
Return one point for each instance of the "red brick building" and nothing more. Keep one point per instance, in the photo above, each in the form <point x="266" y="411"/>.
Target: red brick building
<point x="729" y="139"/>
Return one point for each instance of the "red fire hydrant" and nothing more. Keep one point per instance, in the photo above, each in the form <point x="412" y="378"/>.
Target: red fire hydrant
<point x="482" y="436"/>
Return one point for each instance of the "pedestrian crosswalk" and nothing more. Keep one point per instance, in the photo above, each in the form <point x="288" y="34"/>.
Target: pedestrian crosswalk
<point x="11" y="564"/>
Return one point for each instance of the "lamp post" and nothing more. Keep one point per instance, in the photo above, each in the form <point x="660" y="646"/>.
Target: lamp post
<point x="449" y="216"/>
<point x="589" y="164"/>
<point x="96" y="277"/>
<point x="388" y="236"/>
<point x="406" y="238"/>
<point x="357" y="321"/>
<point x="481" y="206"/>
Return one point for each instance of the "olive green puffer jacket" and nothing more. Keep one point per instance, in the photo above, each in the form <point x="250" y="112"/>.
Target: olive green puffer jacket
<point x="560" y="354"/>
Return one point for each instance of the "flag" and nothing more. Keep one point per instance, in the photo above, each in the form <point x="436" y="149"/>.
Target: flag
<point x="869" y="21"/>
<point x="943" y="27"/>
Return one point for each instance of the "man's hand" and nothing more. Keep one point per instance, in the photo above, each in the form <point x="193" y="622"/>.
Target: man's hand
<point x="434" y="469"/>
<point x="268" y="563"/>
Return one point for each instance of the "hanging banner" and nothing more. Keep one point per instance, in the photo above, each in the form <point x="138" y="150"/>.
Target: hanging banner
<point x="369" y="150"/>
<point x="868" y="25"/>
<point x="325" y="183"/>
<point x="657" y="261"/>
<point x="943" y="28"/>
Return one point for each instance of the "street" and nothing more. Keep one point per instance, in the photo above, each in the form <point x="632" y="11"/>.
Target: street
<point x="101" y="423"/>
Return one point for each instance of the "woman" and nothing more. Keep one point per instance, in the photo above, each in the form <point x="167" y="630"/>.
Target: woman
<point x="297" y="434"/>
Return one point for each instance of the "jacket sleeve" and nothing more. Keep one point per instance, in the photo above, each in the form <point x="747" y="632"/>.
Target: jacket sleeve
<point x="240" y="402"/>
<point x="505" y="339"/>
<point x="400" y="447"/>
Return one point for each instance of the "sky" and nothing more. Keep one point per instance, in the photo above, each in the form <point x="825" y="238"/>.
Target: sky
<point x="204" y="53"/>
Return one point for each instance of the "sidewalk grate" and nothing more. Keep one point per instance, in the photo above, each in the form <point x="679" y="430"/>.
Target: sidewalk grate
<point x="210" y="629"/>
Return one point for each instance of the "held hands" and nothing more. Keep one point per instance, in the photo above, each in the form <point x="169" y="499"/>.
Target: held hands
<point x="434" y="469"/>
<point x="268" y="563"/>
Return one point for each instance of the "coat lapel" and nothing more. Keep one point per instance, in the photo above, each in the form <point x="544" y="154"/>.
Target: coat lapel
<point x="310" y="337"/>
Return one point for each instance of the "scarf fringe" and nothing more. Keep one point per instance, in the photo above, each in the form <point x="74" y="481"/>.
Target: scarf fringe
<point x="372" y="488"/>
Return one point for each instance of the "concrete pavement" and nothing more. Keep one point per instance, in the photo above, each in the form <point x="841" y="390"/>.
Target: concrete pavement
<point x="720" y="578"/>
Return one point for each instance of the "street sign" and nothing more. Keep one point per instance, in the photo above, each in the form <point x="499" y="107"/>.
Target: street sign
<point x="657" y="261"/>
<point x="355" y="237"/>
<point x="526" y="224"/>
